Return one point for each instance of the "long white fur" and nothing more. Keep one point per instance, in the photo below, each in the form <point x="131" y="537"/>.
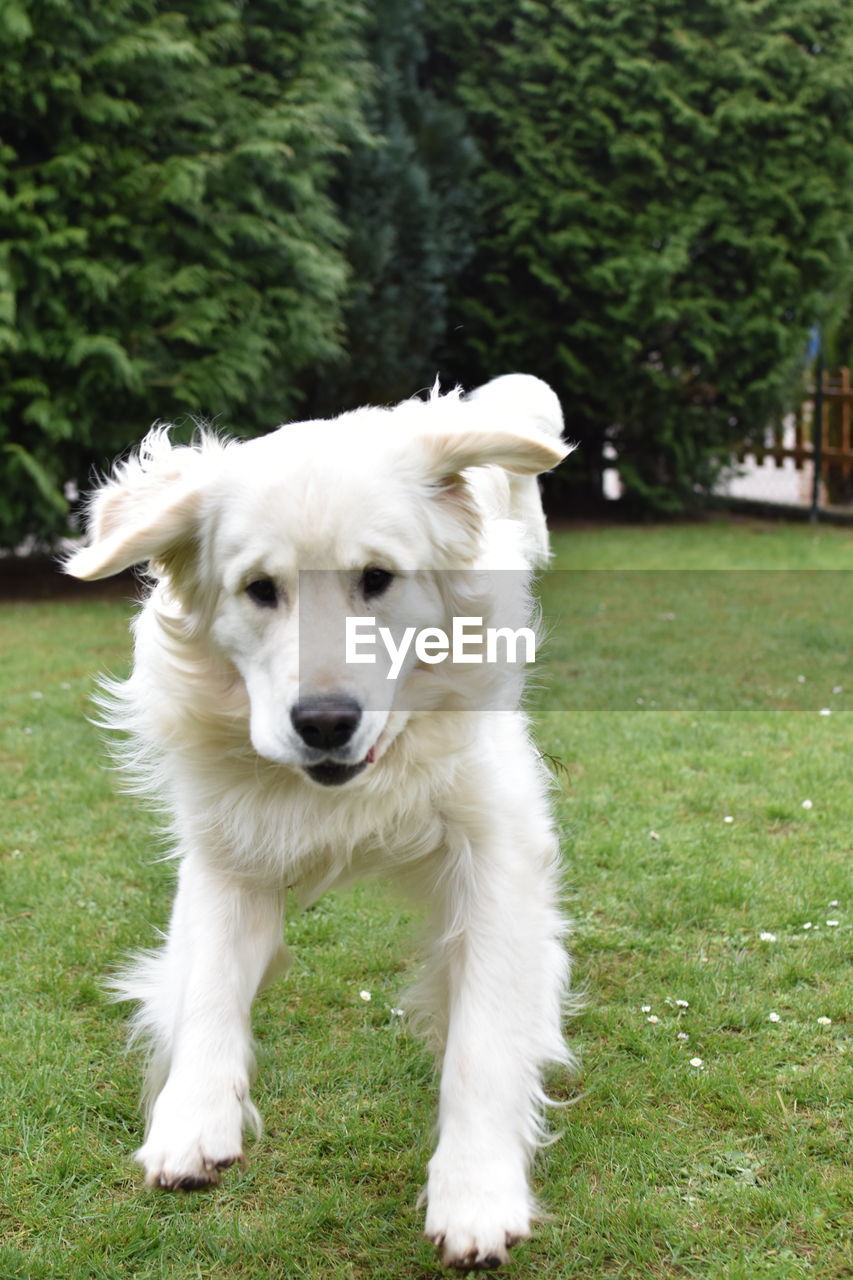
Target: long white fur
<point x="455" y="804"/>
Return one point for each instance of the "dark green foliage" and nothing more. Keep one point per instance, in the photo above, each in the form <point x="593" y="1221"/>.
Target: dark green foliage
<point x="214" y="208"/>
<point x="667" y="201"/>
<point x="838" y="341"/>
<point x="169" y="245"/>
<point x="406" y="196"/>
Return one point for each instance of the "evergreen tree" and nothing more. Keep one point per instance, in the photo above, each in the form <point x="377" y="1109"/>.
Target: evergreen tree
<point x="667" y="206"/>
<point x="406" y="195"/>
<point x="168" y="244"/>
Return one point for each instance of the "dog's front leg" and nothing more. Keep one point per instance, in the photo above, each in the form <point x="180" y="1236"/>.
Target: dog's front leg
<point x="196" y="996"/>
<point x="503" y="971"/>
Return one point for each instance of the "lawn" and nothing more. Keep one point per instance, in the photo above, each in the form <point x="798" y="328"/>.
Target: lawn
<point x="705" y="801"/>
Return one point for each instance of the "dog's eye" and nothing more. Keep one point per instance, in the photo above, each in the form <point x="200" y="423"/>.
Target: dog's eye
<point x="374" y="582"/>
<point x="263" y="592"/>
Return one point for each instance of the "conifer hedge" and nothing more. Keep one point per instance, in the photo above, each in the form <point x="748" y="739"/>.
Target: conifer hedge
<point x="243" y="211"/>
<point x="667" y="210"/>
<point x="168" y="243"/>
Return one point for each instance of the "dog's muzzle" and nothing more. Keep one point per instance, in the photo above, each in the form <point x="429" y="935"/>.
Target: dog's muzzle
<point x="326" y="725"/>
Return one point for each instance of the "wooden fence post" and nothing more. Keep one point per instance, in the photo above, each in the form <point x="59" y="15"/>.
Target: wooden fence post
<point x="817" y="438"/>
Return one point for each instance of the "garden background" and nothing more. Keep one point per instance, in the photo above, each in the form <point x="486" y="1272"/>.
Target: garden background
<point x="248" y="212"/>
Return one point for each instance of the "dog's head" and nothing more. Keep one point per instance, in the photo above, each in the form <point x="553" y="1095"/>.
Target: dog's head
<point x="267" y="547"/>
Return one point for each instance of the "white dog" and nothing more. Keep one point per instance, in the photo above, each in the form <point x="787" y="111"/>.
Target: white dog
<point x="284" y="768"/>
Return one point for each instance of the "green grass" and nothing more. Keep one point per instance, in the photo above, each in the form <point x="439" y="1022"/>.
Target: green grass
<point x="734" y="1169"/>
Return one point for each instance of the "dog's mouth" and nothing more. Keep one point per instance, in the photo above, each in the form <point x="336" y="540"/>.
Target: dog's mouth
<point x="331" y="773"/>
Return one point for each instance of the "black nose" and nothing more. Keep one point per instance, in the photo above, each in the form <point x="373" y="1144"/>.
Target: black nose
<point x="326" y="723"/>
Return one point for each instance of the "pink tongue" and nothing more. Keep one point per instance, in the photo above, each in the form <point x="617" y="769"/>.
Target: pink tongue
<point x="371" y="755"/>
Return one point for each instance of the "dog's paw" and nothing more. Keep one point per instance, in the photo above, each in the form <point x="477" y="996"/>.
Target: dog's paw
<point x="190" y="1143"/>
<point x="474" y="1218"/>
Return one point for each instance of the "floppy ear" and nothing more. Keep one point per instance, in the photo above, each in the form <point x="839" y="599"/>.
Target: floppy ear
<point x="147" y="508"/>
<point x="523" y="454"/>
<point x="514" y="422"/>
<point x="518" y="400"/>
